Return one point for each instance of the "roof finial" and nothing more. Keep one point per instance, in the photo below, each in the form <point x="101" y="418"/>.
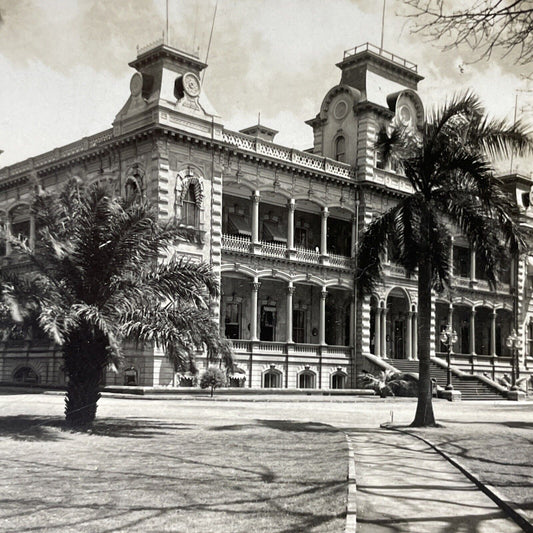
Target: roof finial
<point x="259" y="118"/>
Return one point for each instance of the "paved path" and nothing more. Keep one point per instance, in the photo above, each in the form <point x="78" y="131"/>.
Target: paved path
<point x="405" y="486"/>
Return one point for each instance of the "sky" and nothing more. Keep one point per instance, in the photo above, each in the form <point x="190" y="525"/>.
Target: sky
<point x="64" y="63"/>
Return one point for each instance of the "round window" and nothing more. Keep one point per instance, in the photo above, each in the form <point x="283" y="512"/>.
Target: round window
<point x="340" y="110"/>
<point x="405" y="115"/>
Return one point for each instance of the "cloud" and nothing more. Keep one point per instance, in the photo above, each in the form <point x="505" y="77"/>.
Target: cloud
<point x="65" y="72"/>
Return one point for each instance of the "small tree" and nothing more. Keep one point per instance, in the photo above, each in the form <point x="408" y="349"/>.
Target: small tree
<point x="213" y="377"/>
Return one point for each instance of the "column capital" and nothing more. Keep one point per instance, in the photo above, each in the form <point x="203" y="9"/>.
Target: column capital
<point x="291" y="203"/>
<point x="256" y="196"/>
<point x="324" y="293"/>
<point x="291" y="289"/>
<point x="256" y="285"/>
<point x="325" y="211"/>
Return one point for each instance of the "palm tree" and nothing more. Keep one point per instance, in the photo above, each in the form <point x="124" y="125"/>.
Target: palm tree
<point x="99" y="277"/>
<point x="447" y="164"/>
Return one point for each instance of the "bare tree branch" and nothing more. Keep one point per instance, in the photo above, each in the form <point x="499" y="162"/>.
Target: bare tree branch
<point x="487" y="26"/>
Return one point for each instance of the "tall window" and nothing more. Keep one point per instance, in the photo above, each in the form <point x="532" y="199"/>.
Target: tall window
<point x="340" y="149"/>
<point x="300" y="237"/>
<point x="298" y="325"/>
<point x="232" y="320"/>
<point x="132" y="189"/>
<point x="461" y="262"/>
<point x="190" y="212"/>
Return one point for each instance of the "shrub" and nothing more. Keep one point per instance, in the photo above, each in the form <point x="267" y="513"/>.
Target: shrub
<point x="390" y="383"/>
<point x="213" y="377"/>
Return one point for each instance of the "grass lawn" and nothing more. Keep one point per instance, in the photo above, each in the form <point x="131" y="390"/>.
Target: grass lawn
<point x="180" y="471"/>
<point x="498" y="448"/>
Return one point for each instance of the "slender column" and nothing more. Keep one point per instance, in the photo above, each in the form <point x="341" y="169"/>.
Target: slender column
<point x="8" y="235"/>
<point x="415" y="335"/>
<point x="409" y="336"/>
<point x="493" y="333"/>
<point x="32" y="232"/>
<point x="324" y="232"/>
<point x="451" y="257"/>
<point x="354" y="233"/>
<point x="472" y="264"/>
<point x="290" y="292"/>
<point x="377" y="332"/>
<point x="384" y="332"/>
<point x="473" y="332"/>
<point x="253" y="309"/>
<point x="450" y="324"/>
<point x="322" y="324"/>
<point x="290" y="225"/>
<point x="255" y="217"/>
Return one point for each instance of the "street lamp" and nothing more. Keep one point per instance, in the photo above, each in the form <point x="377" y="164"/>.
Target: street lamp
<point x="514" y="342"/>
<point x="448" y="337"/>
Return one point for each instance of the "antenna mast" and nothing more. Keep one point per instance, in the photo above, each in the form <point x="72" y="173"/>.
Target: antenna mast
<point x="166" y="31"/>
<point x="383" y="23"/>
<point x="210" y="37"/>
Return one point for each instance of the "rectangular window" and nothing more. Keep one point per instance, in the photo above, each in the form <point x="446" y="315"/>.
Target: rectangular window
<point x="461" y="262"/>
<point x="298" y="325"/>
<point x="232" y="320"/>
<point x="300" y="237"/>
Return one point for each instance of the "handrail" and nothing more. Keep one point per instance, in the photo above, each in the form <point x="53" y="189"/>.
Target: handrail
<point x="461" y="374"/>
<point x="368" y="47"/>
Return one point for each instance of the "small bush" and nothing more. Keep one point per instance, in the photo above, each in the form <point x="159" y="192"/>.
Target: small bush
<point x="213" y="377"/>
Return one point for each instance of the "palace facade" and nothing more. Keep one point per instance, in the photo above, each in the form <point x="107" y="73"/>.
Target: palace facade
<point x="279" y="227"/>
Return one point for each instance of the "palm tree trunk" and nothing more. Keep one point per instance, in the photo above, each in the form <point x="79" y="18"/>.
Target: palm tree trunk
<point x="85" y="358"/>
<point x="424" y="416"/>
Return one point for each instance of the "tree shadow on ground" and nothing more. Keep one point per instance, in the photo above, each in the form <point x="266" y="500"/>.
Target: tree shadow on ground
<point x="48" y="428"/>
<point x="281" y="425"/>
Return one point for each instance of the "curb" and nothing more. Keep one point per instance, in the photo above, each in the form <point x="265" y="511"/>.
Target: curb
<point x="516" y="514"/>
<point x="351" y="504"/>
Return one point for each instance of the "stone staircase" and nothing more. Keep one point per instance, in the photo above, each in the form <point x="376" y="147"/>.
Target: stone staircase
<point x="470" y="386"/>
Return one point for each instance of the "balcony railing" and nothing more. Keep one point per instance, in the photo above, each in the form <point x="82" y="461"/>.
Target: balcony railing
<point x="273" y="347"/>
<point x="304" y="159"/>
<point x="236" y="243"/>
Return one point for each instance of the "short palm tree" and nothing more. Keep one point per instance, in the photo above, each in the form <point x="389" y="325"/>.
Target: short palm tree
<point x="448" y="166"/>
<point x="99" y="277"/>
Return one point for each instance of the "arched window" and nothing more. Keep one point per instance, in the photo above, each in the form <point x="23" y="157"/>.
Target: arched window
<point x="132" y="189"/>
<point x="272" y="379"/>
<point x="338" y="380"/>
<point x="25" y="374"/>
<point x="340" y="149"/>
<point x="190" y="213"/>
<point x="306" y="380"/>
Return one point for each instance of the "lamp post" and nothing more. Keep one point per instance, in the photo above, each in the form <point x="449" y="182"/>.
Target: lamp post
<point x="448" y="337"/>
<point x="514" y="342"/>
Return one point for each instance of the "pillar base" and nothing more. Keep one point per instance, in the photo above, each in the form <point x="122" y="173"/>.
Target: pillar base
<point x="516" y="395"/>
<point x="451" y="395"/>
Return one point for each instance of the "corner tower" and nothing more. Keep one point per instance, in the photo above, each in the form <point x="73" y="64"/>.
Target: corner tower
<point x="166" y="88"/>
<point x="375" y="86"/>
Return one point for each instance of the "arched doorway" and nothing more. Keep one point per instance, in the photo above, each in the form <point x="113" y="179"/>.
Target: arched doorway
<point x="397" y="322"/>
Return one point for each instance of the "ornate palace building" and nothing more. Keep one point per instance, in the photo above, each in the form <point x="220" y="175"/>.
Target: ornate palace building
<point x="279" y="227"/>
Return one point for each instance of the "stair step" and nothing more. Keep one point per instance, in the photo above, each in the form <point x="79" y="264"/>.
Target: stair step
<point x="470" y="387"/>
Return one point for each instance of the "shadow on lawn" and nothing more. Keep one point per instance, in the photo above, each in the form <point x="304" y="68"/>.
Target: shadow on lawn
<point x="47" y="428"/>
<point x="281" y="425"/>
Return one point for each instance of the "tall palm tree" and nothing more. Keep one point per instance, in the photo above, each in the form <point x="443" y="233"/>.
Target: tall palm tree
<point x="447" y="163"/>
<point x="99" y="277"/>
